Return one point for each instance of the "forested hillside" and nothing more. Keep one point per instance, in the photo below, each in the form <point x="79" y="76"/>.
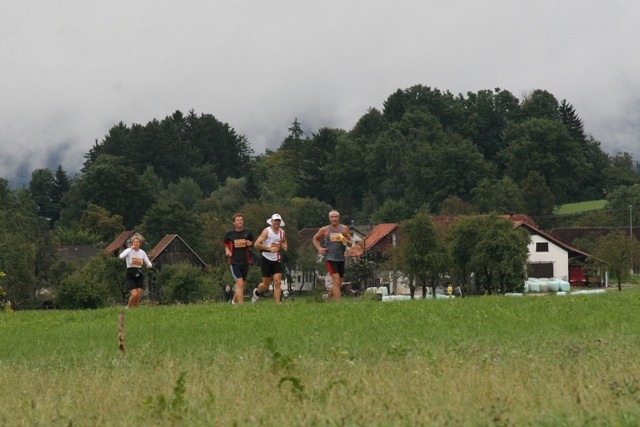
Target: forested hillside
<point x="481" y="152"/>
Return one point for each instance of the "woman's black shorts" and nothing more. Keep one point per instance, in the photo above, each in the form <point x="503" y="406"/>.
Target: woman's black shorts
<point x="135" y="278"/>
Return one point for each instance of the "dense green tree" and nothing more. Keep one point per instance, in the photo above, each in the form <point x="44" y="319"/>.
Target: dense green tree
<point x="540" y="104"/>
<point x="391" y="211"/>
<point x="399" y="162"/>
<point x="75" y="235"/>
<point x="490" y="248"/>
<point x="318" y="151"/>
<point x="186" y="192"/>
<point x="62" y="184"/>
<point x="360" y="273"/>
<point x="177" y="145"/>
<point x="278" y="175"/>
<point x="442" y="105"/>
<point x="170" y="217"/>
<point x="41" y="186"/>
<point x="220" y="145"/>
<point x="461" y="167"/>
<point x="620" y="172"/>
<point x="502" y="256"/>
<point x="115" y="143"/>
<point x="73" y="204"/>
<point x="460" y="243"/>
<point x="214" y="228"/>
<point x="347" y="176"/>
<point x="538" y="197"/>
<point x="622" y="203"/>
<point x="26" y="251"/>
<point x="163" y="145"/>
<point x="309" y="212"/>
<point x="114" y="186"/>
<point x="502" y="196"/>
<point x="421" y="254"/>
<point x="17" y="261"/>
<point x="231" y="195"/>
<point x="596" y="163"/>
<point x="370" y="125"/>
<point x="545" y="145"/>
<point x="100" y="222"/>
<point x="571" y="121"/>
<point x="487" y="113"/>
<point x="454" y="205"/>
<point x="206" y="177"/>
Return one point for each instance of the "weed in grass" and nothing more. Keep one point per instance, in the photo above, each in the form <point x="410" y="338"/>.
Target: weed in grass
<point x="175" y="406"/>
<point x="279" y="361"/>
<point x="296" y="385"/>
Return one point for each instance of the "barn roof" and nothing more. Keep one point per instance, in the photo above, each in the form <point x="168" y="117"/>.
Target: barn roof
<point x="119" y="242"/>
<point x="164" y="243"/>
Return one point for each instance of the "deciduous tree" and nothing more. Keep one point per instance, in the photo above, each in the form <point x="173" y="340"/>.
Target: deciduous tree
<point x="617" y="252"/>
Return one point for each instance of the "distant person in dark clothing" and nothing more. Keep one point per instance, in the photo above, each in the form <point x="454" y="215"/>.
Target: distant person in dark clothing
<point x="236" y="248"/>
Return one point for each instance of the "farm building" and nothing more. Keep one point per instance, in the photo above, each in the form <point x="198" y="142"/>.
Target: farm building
<point x="170" y="250"/>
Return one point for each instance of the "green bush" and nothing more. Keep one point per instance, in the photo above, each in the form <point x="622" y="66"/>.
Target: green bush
<point x="185" y="283"/>
<point x="81" y="291"/>
<point x="97" y="283"/>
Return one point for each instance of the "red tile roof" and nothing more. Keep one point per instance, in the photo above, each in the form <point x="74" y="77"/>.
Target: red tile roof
<point x="374" y="237"/>
<point x="119" y="242"/>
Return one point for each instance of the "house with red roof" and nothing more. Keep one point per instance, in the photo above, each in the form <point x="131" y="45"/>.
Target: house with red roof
<point x="548" y="256"/>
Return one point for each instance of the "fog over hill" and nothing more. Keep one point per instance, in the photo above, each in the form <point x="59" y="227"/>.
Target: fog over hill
<point x="72" y="70"/>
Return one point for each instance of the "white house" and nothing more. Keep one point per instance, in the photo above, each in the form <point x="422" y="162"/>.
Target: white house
<point x="548" y="256"/>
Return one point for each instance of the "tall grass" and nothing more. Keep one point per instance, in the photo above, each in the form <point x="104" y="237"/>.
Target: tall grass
<point x="474" y="361"/>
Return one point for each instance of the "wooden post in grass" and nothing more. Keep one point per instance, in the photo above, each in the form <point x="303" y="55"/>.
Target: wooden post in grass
<point x="121" y="333"/>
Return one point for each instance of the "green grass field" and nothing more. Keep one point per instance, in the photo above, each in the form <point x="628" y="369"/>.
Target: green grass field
<point x="573" y="208"/>
<point x="484" y="361"/>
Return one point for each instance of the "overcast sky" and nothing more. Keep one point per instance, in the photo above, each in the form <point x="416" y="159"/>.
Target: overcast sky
<point x="71" y="69"/>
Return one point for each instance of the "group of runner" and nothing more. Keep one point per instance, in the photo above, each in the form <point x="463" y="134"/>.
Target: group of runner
<point x="330" y="241"/>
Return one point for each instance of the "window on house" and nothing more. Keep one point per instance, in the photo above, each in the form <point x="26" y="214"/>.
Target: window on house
<point x="542" y="247"/>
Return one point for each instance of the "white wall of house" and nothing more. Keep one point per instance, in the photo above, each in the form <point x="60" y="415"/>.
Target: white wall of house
<point x="554" y="254"/>
<point x="301" y="281"/>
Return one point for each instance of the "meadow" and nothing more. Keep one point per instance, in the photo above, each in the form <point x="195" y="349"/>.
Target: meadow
<point x="482" y="361"/>
<point x="579" y="207"/>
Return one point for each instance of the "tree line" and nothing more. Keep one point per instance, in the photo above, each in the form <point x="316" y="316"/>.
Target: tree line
<point x="426" y="150"/>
